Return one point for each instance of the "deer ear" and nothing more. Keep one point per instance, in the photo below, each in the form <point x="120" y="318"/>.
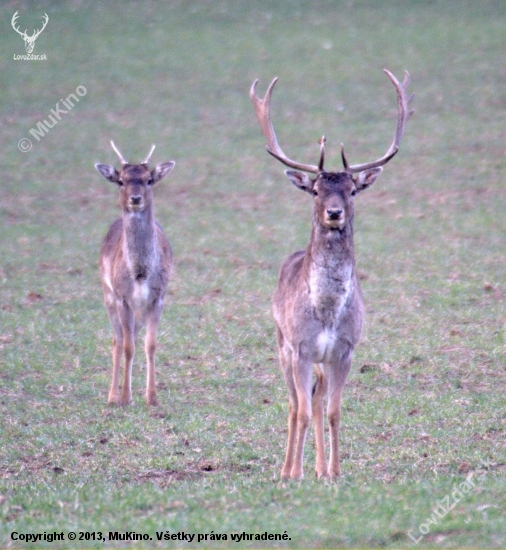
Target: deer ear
<point x="161" y="170"/>
<point x="366" y="178"/>
<point x="300" y="180"/>
<point x="109" y="172"/>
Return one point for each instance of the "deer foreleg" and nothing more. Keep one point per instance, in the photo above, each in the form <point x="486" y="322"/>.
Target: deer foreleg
<point x="337" y="379"/>
<point x="319" y="393"/>
<point x="117" y="348"/>
<point x="302" y="379"/>
<point x="150" y="347"/>
<point x="128" y="326"/>
<point x="117" y="352"/>
<point x="334" y="417"/>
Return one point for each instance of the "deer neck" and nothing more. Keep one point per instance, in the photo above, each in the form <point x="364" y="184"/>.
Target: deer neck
<point x="330" y="271"/>
<point x="140" y="242"/>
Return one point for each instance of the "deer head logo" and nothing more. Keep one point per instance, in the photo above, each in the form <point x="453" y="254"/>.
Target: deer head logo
<point x="29" y="40"/>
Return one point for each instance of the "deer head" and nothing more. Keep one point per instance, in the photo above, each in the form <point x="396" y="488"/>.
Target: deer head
<point x="334" y="194"/>
<point x="333" y="191"/>
<point x="29" y="40"/>
<point x="135" y="181"/>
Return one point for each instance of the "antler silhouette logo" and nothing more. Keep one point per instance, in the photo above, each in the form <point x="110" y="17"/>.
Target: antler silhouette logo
<point x="29" y="40"/>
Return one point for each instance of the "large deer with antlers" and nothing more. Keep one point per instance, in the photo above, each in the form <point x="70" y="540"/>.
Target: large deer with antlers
<point x="29" y="40"/>
<point x="135" y="264"/>
<point x="318" y="306"/>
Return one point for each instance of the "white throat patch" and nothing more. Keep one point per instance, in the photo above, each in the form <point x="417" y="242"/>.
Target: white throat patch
<point x="318" y="287"/>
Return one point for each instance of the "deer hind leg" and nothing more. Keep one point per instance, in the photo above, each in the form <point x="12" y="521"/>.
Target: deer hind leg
<point x="152" y="321"/>
<point x="319" y="393"/>
<point x="337" y="379"/>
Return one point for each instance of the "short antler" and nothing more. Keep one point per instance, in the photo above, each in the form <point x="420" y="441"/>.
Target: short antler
<point x="262" y="111"/>
<point x="149" y="155"/>
<point x="404" y="113"/>
<point x="116" y="150"/>
<point x="322" y="142"/>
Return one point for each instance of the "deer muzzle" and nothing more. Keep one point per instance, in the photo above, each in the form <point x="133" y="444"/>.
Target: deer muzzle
<point x="335" y="218"/>
<point x="135" y="203"/>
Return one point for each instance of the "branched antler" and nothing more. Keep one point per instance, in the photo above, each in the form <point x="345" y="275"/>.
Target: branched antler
<point x="35" y="32"/>
<point x="403" y="115"/>
<point x="262" y="111"/>
<point x="13" y="23"/>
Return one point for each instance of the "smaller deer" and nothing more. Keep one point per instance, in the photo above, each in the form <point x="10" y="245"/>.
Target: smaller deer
<point x="318" y="307"/>
<point x="135" y="265"/>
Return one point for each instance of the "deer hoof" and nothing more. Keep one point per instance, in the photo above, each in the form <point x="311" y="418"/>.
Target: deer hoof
<point x="151" y="399"/>
<point x="334" y="475"/>
<point x="296" y="475"/>
<point x="113" y="399"/>
<point x="125" y="400"/>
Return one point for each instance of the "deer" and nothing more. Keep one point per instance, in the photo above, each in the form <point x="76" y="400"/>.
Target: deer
<point x="136" y="261"/>
<point x="318" y="307"/>
<point x="29" y="40"/>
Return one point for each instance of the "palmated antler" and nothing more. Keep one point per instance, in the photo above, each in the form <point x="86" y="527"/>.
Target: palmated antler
<point x="116" y="150"/>
<point x="403" y="101"/>
<point x="262" y="111"/>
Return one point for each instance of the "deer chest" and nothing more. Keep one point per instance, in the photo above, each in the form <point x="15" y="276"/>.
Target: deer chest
<point x="329" y="293"/>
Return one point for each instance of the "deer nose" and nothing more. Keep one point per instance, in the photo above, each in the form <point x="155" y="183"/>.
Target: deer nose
<point x="135" y="199"/>
<point x="334" y="213"/>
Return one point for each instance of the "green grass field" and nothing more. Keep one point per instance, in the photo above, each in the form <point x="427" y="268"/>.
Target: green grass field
<point x="425" y="403"/>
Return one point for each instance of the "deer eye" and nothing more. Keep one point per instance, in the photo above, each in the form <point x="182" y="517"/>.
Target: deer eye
<point x="354" y="192"/>
<point x="314" y="192"/>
